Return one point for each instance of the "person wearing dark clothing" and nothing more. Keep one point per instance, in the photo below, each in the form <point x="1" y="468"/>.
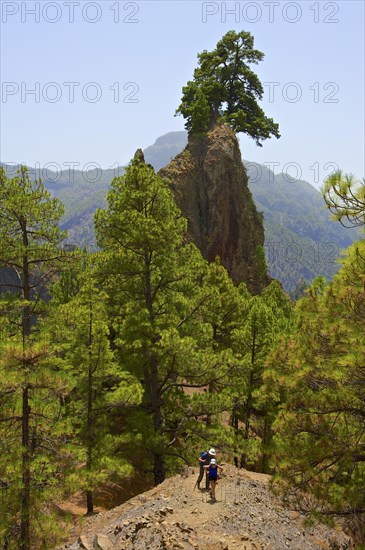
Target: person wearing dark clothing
<point x="204" y="460"/>
<point x="212" y="470"/>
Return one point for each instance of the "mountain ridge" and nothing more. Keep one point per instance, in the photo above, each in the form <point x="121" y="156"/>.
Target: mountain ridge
<point x="301" y="242"/>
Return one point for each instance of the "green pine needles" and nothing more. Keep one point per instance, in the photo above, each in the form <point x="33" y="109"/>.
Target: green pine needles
<point x="225" y="89"/>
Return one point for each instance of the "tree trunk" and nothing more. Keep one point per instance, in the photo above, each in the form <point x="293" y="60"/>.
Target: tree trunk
<point x="159" y="468"/>
<point x="89" y="502"/>
<point x="26" y="328"/>
<point x="249" y="398"/>
<point x="234" y="424"/>
<point x="25" y="499"/>
<point x="90" y="435"/>
<point x="248" y="408"/>
<point x="250" y="388"/>
<point x="265" y="442"/>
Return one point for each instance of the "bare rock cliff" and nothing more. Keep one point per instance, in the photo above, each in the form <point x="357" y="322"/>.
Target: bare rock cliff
<point x="210" y="185"/>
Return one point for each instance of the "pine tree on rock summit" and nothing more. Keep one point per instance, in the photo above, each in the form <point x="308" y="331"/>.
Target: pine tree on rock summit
<point x="225" y="89"/>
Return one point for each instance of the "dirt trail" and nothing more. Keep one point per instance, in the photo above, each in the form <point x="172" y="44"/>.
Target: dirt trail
<point x="174" y="515"/>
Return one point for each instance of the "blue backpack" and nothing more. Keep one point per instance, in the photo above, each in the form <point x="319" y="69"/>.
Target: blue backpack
<point x="204" y="455"/>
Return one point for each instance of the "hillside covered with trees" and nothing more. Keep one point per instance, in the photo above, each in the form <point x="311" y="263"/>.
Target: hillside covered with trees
<point x="94" y="381"/>
<point x="302" y="242"/>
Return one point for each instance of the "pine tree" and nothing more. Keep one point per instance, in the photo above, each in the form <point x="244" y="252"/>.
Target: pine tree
<point x="320" y="436"/>
<point x="98" y="385"/>
<point x="345" y="198"/>
<point x="30" y="387"/>
<point x="225" y="88"/>
<point x="152" y="278"/>
<point x="267" y="317"/>
<point x="225" y="312"/>
<point x="243" y="330"/>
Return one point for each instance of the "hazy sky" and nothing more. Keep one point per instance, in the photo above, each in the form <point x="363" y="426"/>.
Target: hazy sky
<point x="107" y="77"/>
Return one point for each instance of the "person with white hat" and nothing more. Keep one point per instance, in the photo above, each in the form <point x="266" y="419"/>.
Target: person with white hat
<point x="204" y="460"/>
<point x="212" y="470"/>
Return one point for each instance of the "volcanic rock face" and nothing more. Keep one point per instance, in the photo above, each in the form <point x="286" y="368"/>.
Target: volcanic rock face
<point x="210" y="185"/>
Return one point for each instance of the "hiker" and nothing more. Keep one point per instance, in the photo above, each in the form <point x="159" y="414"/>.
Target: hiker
<point x="212" y="470"/>
<point x="204" y="460"/>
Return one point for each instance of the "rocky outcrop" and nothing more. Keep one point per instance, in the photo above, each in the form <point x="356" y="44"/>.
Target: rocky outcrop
<point x="210" y="185"/>
<point x="246" y="516"/>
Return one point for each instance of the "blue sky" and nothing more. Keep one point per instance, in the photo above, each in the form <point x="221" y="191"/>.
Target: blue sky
<point x="146" y="51"/>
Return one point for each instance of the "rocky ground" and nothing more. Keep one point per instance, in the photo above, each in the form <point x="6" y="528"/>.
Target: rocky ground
<point x="174" y="515"/>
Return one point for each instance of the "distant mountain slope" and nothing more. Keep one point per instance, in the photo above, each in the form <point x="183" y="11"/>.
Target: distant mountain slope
<point x="301" y="240"/>
<point x="165" y="149"/>
<point x="81" y="193"/>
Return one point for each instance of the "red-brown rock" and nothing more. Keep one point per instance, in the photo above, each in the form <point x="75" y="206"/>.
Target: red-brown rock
<point x="210" y="185"/>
